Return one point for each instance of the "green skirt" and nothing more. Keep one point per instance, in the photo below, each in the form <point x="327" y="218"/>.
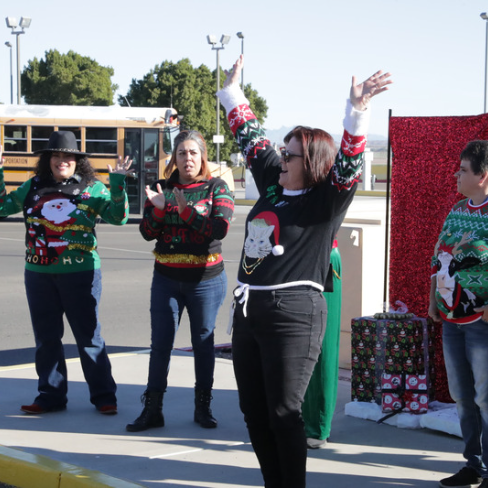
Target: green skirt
<point x="321" y="395"/>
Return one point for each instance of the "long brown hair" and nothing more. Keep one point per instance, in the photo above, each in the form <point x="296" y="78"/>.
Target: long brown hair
<point x="319" y="152"/>
<point x="189" y="135"/>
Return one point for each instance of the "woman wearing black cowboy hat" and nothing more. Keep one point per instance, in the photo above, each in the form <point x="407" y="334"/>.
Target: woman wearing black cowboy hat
<point x="62" y="267"/>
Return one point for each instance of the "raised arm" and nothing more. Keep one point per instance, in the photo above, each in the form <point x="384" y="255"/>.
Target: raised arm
<point x="349" y="162"/>
<point x="260" y="154"/>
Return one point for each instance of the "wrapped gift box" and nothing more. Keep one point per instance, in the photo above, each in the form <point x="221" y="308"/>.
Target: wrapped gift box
<point x="385" y="345"/>
<point x="404" y="393"/>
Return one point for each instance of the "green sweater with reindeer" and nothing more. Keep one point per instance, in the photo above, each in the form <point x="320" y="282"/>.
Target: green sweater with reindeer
<point x="460" y="263"/>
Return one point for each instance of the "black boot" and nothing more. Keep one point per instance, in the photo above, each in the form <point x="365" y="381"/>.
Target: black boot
<point x="203" y="413"/>
<point x="152" y="415"/>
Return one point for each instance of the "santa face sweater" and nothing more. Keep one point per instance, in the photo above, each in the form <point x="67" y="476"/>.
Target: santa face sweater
<point x="60" y="219"/>
<point x="460" y="263"/>
<point x="289" y="234"/>
<point x="188" y="246"/>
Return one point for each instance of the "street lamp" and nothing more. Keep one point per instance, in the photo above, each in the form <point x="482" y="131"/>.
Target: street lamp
<point x="484" y="16"/>
<point x="23" y="24"/>
<point x="212" y="40"/>
<point x="240" y="35"/>
<point x="11" y="74"/>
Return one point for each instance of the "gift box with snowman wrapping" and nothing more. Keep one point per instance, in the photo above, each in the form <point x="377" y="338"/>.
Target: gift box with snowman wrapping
<point x="404" y="393"/>
<point x="392" y="343"/>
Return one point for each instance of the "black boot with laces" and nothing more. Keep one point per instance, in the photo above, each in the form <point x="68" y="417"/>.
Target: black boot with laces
<point x="203" y="413"/>
<point x="152" y="414"/>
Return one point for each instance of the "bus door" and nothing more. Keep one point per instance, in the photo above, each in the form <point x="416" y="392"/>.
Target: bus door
<point x="141" y="145"/>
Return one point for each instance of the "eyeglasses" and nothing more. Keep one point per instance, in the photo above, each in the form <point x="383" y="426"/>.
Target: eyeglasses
<point x="287" y="155"/>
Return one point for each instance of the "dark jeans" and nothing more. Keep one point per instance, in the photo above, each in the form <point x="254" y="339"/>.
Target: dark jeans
<point x="77" y="295"/>
<point x="466" y="358"/>
<point x="275" y="349"/>
<point x="168" y="300"/>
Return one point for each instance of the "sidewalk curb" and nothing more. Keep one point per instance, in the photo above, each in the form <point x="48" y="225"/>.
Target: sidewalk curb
<point x="25" y="470"/>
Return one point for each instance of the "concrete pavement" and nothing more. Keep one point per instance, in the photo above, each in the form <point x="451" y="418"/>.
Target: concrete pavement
<point x="81" y="448"/>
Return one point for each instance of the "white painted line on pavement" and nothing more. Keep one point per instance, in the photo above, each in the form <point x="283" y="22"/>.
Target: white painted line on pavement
<point x="175" y="453"/>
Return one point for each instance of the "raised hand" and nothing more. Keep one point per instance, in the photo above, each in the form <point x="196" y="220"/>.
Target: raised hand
<point x="156" y="198"/>
<point x="120" y="167"/>
<point x="362" y="93"/>
<point x="234" y="74"/>
<point x="180" y="199"/>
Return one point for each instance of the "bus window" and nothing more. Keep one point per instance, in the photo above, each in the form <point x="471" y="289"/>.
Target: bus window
<point x="101" y="140"/>
<point x="15" y="138"/>
<point x="40" y="137"/>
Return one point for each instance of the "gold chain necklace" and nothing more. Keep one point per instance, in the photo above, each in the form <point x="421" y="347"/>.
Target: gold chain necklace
<point x="250" y="267"/>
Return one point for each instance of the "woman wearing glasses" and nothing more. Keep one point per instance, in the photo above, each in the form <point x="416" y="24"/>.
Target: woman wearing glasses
<point x="187" y="214"/>
<point x="280" y="312"/>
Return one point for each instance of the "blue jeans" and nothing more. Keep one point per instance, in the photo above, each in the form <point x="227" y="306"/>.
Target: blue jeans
<point x="168" y="300"/>
<point x="275" y="349"/>
<point x="77" y="295"/>
<point x="466" y="357"/>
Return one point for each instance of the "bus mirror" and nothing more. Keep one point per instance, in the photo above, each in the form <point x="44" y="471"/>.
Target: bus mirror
<point x="168" y="116"/>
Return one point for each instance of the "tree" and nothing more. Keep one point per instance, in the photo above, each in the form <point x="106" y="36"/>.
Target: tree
<point x="67" y="79"/>
<point x="192" y="93"/>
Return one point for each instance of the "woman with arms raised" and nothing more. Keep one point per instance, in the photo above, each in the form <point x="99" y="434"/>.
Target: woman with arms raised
<point x="280" y="312"/>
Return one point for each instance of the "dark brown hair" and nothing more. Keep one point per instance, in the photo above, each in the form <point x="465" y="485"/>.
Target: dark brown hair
<point x="476" y="152"/>
<point x="319" y="152"/>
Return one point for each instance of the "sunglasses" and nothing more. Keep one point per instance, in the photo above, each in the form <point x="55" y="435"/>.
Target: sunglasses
<point x="287" y="155"/>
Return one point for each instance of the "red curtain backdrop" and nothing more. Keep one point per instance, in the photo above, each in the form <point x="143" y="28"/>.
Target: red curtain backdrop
<point x="425" y="157"/>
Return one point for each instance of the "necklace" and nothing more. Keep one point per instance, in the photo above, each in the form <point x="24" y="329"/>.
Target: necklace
<point x="248" y="269"/>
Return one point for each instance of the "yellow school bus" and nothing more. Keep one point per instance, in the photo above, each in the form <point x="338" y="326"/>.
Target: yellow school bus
<point x="145" y="134"/>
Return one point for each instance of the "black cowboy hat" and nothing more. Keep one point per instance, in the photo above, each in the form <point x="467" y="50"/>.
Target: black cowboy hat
<point x="62" y="141"/>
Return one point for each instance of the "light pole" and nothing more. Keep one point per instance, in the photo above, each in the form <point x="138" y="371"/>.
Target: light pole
<point x="23" y="24"/>
<point x="11" y="74"/>
<point x="211" y="39"/>
<point x="240" y="35"/>
<point x="484" y="16"/>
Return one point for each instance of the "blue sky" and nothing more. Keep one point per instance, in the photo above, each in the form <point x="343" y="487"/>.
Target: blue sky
<point x="300" y="56"/>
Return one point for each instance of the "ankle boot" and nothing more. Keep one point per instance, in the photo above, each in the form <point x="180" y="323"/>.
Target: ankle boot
<point x="152" y="414"/>
<point x="203" y="413"/>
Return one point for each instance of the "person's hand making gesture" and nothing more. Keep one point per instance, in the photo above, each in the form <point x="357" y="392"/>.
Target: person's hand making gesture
<point x="362" y="93"/>
<point x="156" y="197"/>
<point x="121" y="167"/>
<point x="234" y="74"/>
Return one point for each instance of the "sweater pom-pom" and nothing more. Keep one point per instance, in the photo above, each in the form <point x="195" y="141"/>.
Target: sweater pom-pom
<point x="278" y="250"/>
